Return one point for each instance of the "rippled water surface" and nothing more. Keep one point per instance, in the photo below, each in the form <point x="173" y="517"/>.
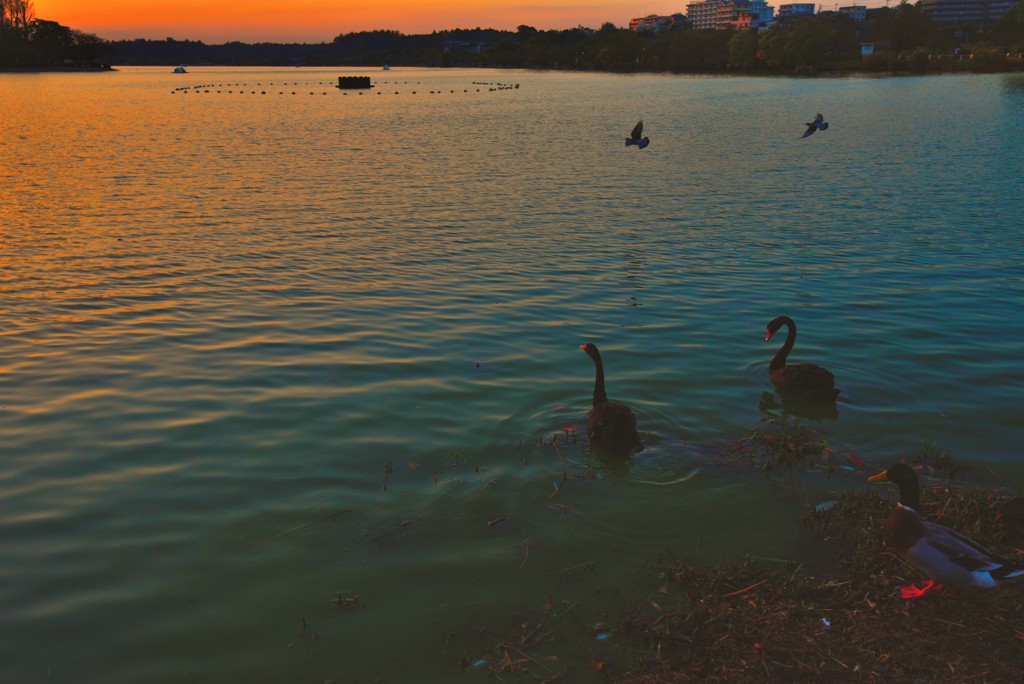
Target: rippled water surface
<point x="262" y="350"/>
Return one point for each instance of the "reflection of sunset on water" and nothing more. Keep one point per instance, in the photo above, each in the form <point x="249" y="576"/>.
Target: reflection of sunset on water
<point x="280" y="373"/>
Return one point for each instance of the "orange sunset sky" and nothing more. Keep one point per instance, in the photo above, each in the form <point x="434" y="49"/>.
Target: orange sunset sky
<point x="315" y="21"/>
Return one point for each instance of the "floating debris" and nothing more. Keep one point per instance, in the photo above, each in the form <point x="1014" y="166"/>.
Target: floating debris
<point x="346" y="602"/>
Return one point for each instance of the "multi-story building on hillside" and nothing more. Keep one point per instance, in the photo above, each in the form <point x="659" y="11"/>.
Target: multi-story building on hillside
<point x="980" y="12"/>
<point x="795" y="10"/>
<point x="726" y="14"/>
<point x="856" y="12"/>
<point x="703" y="15"/>
<point x="655" y="22"/>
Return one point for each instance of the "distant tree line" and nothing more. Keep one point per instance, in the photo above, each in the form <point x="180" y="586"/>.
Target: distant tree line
<point x="458" y="47"/>
<point x="145" y="52"/>
<point x="28" y="42"/>
<point x="904" y="39"/>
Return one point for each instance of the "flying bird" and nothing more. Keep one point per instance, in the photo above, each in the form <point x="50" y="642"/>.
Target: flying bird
<point x="635" y="139"/>
<point x="819" y="124"/>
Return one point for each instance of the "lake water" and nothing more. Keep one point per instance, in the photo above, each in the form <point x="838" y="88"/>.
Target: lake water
<point x="262" y="350"/>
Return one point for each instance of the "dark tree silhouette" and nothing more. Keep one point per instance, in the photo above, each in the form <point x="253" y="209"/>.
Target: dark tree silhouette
<point x="30" y="43"/>
<point x="904" y="37"/>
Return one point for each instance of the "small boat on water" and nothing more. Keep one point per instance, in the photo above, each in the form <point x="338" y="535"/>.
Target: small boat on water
<point x="180" y="69"/>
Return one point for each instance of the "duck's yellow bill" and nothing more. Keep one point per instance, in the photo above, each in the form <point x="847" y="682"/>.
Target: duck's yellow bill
<point x="880" y="477"/>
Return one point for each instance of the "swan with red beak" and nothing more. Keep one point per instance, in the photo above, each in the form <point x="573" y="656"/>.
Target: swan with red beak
<point x="806" y="381"/>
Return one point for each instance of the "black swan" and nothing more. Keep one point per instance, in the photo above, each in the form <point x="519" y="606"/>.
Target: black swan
<point x="803" y="380"/>
<point x="942" y="554"/>
<point x="611" y="427"/>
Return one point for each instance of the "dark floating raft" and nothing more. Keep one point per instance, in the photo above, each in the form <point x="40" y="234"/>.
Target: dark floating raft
<point x="353" y="82"/>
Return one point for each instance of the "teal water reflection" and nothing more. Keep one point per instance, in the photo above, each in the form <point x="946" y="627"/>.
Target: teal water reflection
<point x="260" y="351"/>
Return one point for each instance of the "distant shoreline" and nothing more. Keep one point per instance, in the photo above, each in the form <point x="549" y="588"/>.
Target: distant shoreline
<point x="820" y="71"/>
<point x="44" y="70"/>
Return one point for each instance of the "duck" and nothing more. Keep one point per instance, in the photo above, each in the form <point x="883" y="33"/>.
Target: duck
<point x="634" y="137"/>
<point x="807" y="381"/>
<point x="943" y="554"/>
<point x="611" y="427"/>
<point x="819" y="124"/>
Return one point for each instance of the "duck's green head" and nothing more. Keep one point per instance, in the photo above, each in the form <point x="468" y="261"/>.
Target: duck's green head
<point x="904" y="477"/>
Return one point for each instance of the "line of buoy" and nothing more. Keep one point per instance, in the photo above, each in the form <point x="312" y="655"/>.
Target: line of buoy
<point x="240" y="92"/>
<point x="206" y="89"/>
<point x="264" y="92"/>
<point x="203" y="86"/>
<point x="206" y="86"/>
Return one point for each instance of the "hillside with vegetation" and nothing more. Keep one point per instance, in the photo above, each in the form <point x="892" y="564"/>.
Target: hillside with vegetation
<point x="903" y="40"/>
<point x="27" y="42"/>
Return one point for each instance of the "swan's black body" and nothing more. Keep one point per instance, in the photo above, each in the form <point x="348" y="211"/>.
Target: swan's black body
<point x="801" y="380"/>
<point x="611" y="427"/>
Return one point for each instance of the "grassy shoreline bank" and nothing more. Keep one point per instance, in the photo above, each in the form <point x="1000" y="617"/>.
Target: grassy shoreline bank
<point x="839" y="618"/>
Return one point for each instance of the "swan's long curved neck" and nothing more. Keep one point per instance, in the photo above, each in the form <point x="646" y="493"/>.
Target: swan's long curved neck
<point x="780" y="356"/>
<point x="600" y="397"/>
